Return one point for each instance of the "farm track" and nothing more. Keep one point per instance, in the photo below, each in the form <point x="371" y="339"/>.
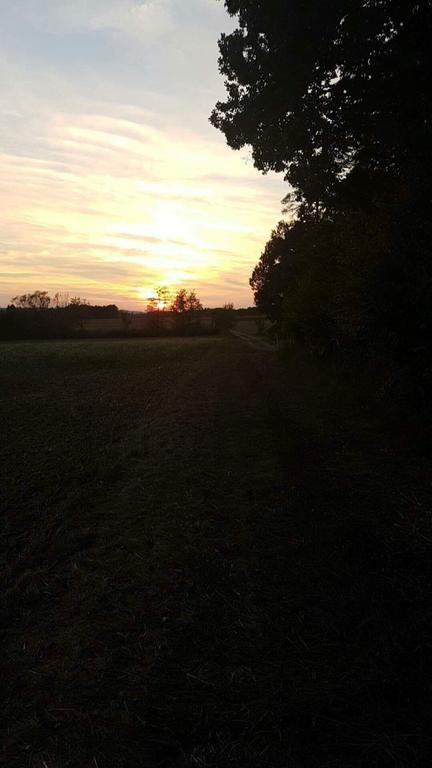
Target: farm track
<point x="200" y="571"/>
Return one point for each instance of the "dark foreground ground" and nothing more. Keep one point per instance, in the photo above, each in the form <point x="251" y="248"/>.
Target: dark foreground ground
<point x="208" y="560"/>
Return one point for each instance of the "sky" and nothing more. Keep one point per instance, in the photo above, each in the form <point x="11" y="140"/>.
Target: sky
<point x="112" y="180"/>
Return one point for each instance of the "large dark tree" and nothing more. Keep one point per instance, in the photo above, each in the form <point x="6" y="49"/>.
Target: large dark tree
<point x="336" y="96"/>
<point x="317" y="89"/>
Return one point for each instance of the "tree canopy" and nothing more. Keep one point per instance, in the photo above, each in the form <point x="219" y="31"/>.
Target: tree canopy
<point x="319" y="90"/>
<point x="36" y="300"/>
<point x="185" y="301"/>
<point x="336" y="96"/>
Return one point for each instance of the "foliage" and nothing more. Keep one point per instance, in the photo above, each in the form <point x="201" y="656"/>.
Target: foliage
<point x="159" y="302"/>
<point x="75" y="317"/>
<point x="315" y="88"/>
<point x="152" y="304"/>
<point x="335" y="96"/>
<point x="61" y="299"/>
<point x="36" y="300"/>
<point x="186" y="306"/>
<point x="77" y="301"/>
<point x="36" y="315"/>
<point x="360" y="278"/>
<point x="185" y="302"/>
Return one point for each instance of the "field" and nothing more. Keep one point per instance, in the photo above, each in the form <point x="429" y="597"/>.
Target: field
<point x="210" y="560"/>
<point x="100" y="326"/>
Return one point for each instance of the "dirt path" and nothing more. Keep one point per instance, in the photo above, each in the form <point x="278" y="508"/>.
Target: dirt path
<point x="233" y="592"/>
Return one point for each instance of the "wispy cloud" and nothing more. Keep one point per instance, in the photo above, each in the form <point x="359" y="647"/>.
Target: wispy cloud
<point x="114" y="183"/>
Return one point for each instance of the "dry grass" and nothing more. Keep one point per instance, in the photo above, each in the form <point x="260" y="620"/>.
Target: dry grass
<point x="210" y="560"/>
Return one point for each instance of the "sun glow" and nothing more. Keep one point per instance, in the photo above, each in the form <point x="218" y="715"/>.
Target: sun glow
<point x="156" y="298"/>
<point x="94" y="225"/>
<point x="112" y="178"/>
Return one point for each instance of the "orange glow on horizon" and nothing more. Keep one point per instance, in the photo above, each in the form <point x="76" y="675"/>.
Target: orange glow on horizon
<point x="151" y="296"/>
<point x="100" y="227"/>
<point x="112" y="179"/>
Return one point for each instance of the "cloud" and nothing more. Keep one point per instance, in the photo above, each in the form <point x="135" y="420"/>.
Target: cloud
<point x="112" y="178"/>
<point x="62" y="16"/>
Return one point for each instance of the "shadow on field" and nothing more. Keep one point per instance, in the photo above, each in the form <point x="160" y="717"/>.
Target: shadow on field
<point x="249" y="587"/>
<point x="311" y="643"/>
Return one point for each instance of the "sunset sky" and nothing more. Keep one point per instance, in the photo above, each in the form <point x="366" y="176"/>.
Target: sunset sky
<point x="112" y="179"/>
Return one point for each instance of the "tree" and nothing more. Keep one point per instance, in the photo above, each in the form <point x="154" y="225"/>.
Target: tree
<point x="151" y="305"/>
<point x="160" y="301"/>
<point x="37" y="300"/>
<point x="61" y="300"/>
<point x="163" y="296"/>
<point x="318" y="89"/>
<point x="186" y="302"/>
<point x="295" y="282"/>
<point x="267" y="281"/>
<point x="335" y="96"/>
<point x="185" y="306"/>
<point x="179" y="303"/>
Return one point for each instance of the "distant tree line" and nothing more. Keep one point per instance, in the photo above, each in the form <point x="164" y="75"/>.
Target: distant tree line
<point x="38" y="315"/>
<point x="184" y="305"/>
<point x="182" y="302"/>
<point x="187" y="313"/>
<point x="74" y="305"/>
<point x="336" y="96"/>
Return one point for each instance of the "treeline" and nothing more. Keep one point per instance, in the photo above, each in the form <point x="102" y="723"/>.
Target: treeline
<point x="37" y="315"/>
<point x="336" y="96"/>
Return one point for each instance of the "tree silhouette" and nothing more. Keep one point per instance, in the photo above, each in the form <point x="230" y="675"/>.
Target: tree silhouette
<point x="160" y="301"/>
<point x="336" y="96"/>
<point x="186" y="302"/>
<point x="36" y="300"/>
<point x="318" y="89"/>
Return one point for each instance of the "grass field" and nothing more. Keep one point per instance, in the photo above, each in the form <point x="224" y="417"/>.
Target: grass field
<point x="209" y="560"/>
